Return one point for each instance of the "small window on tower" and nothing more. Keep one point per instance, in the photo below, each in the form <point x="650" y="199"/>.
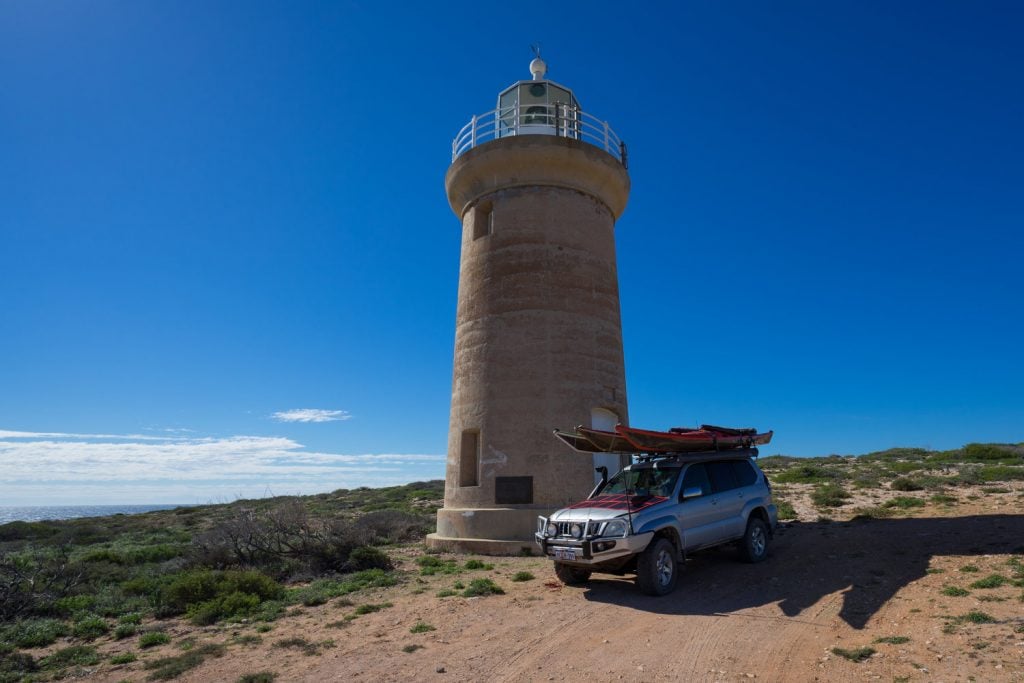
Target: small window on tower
<point x="483" y="221"/>
<point x="469" y="458"/>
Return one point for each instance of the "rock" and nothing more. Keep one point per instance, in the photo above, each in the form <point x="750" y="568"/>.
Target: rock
<point x="439" y="669"/>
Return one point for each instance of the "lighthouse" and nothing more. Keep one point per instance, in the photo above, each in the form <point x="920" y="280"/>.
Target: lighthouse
<point x="537" y="185"/>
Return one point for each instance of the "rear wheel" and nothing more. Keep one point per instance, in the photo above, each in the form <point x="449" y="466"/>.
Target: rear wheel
<point x="657" y="568"/>
<point x="754" y="546"/>
<point x="571" y="576"/>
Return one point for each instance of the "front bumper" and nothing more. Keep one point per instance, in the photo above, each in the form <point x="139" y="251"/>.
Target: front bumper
<point x="585" y="552"/>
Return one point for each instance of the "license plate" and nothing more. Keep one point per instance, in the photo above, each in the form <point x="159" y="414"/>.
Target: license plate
<point x="565" y="553"/>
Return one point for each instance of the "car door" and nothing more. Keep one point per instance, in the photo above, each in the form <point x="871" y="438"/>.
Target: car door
<point x="697" y="516"/>
<point x="729" y="501"/>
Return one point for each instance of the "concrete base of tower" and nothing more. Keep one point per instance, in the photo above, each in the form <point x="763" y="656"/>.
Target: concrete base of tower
<point x="480" y="546"/>
<point x="491" y="531"/>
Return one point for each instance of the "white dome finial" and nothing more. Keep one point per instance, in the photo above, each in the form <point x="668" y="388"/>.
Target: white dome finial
<point x="538" y="67"/>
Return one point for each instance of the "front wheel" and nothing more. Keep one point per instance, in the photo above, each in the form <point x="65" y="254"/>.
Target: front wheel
<point x="754" y="546"/>
<point x="571" y="576"/>
<point x="656" y="568"/>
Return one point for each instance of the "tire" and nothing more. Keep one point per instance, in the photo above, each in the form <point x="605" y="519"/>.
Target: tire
<point x="754" y="546"/>
<point x="571" y="576"/>
<point x="657" y="568"/>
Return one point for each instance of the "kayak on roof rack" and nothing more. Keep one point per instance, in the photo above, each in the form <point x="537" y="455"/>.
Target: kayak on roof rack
<point x="677" y="440"/>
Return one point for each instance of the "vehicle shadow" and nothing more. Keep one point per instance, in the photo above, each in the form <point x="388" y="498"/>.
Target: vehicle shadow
<point x="869" y="561"/>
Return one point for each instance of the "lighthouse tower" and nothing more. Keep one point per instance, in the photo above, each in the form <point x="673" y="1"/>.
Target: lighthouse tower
<point x="537" y="184"/>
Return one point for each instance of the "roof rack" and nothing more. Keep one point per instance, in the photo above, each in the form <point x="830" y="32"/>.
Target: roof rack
<point x="692" y="456"/>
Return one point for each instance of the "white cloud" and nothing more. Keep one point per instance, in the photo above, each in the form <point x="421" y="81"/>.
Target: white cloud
<point x="57" y="468"/>
<point x="311" y="415"/>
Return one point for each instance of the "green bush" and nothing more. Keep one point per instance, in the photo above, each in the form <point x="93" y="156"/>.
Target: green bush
<point x="785" y="508"/>
<point x="368" y="557"/>
<point x="523" y="576"/>
<point x="123" y="631"/>
<point x="430" y="565"/>
<point x="259" y="677"/>
<point x="829" y="495"/>
<point x="90" y="627"/>
<point x="225" y="593"/>
<point x="904" y="502"/>
<point x="991" y="581"/>
<point x="421" y="627"/>
<point x="481" y="587"/>
<point x="167" y="668"/>
<point x="955" y="591"/>
<point x="807" y="473"/>
<point x="232" y="605"/>
<point x="893" y="640"/>
<point x="370" y="608"/>
<point x="153" y="638"/>
<point x="904" y="484"/>
<point x="477" y="564"/>
<point x="123" y="658"/>
<point x="16" y="666"/>
<point x="855" y="654"/>
<point x="77" y="655"/>
<point x="74" y="604"/>
<point x="130" y="618"/>
<point x="34" y="632"/>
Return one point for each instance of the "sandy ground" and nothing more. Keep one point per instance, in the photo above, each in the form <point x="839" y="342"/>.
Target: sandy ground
<point x="825" y="585"/>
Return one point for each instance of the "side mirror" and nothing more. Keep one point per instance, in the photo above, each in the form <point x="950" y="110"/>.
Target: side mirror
<point x="692" y="492"/>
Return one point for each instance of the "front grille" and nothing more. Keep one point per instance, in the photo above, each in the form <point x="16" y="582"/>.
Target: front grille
<point x="564" y="527"/>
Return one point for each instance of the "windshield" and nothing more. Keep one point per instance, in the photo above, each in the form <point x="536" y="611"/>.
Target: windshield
<point x="643" y="482"/>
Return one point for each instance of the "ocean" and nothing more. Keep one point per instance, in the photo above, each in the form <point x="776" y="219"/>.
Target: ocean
<point x="39" y="513"/>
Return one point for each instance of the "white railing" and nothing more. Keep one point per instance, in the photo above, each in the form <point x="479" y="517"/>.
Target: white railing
<point x="561" y="120"/>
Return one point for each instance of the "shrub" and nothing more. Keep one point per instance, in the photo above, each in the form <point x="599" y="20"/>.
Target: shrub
<point x="904" y="484"/>
<point x="421" y="627"/>
<point x="969" y="569"/>
<point x="409" y="649"/>
<point x="125" y="631"/>
<point x="829" y="495"/>
<point x="430" y="565"/>
<point x="523" y="576"/>
<point x="370" y="608"/>
<point x="74" y="604"/>
<point x="260" y="677"/>
<point x="123" y="658"/>
<point x="367" y="557"/>
<point x="77" y="655"/>
<point x="481" y="587"/>
<point x="280" y="539"/>
<point x="893" y="640"/>
<point x="904" y="502"/>
<point x="90" y="627"/>
<point x="806" y="473"/>
<point x="34" y="580"/>
<point x="991" y="581"/>
<point x="35" y="632"/>
<point x="955" y="591"/>
<point x="206" y="594"/>
<point x="16" y="666"/>
<point x="130" y="618"/>
<point x="153" y="638"/>
<point x="477" y="564"/>
<point x="943" y="499"/>
<point x="854" y="655"/>
<point x="167" y="668"/>
<point x="786" y="509"/>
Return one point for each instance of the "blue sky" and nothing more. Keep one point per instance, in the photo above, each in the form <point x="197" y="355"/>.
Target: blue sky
<point x="214" y="213"/>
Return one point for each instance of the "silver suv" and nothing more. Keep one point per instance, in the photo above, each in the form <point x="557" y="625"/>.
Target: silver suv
<point x="649" y="515"/>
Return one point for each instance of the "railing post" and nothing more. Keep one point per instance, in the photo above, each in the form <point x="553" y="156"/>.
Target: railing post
<point x="606" y="137"/>
<point x="472" y="124"/>
<point x="622" y="155"/>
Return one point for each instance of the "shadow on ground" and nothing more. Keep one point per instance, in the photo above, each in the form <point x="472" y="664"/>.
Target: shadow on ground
<point x="868" y="560"/>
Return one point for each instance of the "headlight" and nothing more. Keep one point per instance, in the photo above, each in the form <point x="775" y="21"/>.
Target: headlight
<point x="576" y="530"/>
<point x="552" y="530"/>
<point x="614" y="528"/>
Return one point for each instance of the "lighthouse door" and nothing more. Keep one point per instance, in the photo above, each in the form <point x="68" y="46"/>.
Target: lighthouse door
<point x="604" y="420"/>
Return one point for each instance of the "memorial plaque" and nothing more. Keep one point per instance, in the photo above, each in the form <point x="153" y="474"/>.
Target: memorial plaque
<point x="513" y="490"/>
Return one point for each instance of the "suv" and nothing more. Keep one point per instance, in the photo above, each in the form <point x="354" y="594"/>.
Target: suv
<point x="649" y="515"/>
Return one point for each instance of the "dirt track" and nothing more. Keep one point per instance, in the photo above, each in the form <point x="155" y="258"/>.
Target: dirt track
<point x="825" y="585"/>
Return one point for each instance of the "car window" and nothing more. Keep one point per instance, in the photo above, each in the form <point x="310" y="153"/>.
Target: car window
<point x="644" y="481"/>
<point x="696" y="475"/>
<point x="744" y="472"/>
<point x="721" y="476"/>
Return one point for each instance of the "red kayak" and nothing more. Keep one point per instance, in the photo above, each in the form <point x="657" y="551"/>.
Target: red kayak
<point x="676" y="440"/>
<point x="685" y="439"/>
